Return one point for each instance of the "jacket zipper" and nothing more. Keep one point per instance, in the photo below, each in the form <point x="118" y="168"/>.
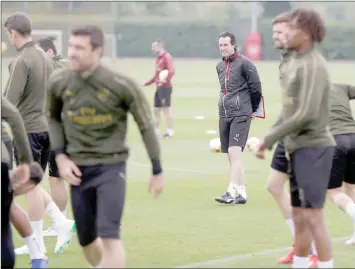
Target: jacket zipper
<point x="225" y="88"/>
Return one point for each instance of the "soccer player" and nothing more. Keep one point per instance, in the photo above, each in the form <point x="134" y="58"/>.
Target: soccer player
<point x="342" y="126"/>
<point x="18" y="184"/>
<point x="240" y="96"/>
<point x="25" y="89"/>
<point x="88" y="107"/>
<point x="162" y="98"/>
<point x="303" y="125"/>
<point x="58" y="189"/>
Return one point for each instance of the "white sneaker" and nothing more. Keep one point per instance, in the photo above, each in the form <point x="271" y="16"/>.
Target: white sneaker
<point x="24" y="250"/>
<point x="350" y="241"/>
<point x="64" y="235"/>
<point x="50" y="231"/>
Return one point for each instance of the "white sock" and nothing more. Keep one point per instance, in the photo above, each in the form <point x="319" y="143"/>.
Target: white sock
<point x="350" y="210"/>
<point x="232" y="189"/>
<point x="242" y="191"/>
<point x="327" y="264"/>
<point x="37" y="227"/>
<point x="300" y="262"/>
<point x="34" y="248"/>
<point x="64" y="212"/>
<point x="314" y="249"/>
<point x="54" y="213"/>
<point x="291" y="226"/>
<point x="171" y="132"/>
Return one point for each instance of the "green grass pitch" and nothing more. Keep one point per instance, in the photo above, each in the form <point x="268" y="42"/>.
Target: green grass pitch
<point x="185" y="226"/>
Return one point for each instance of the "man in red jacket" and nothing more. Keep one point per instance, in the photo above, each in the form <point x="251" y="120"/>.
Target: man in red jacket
<point x="162" y="98"/>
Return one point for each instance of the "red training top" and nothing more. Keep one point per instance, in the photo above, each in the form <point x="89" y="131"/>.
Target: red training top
<point x="163" y="61"/>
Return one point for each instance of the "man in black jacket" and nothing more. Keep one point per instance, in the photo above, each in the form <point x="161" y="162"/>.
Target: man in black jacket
<point x="240" y="96"/>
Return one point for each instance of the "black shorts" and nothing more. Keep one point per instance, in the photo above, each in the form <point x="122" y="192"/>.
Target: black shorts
<point x="343" y="168"/>
<point x="279" y="161"/>
<point x="10" y="149"/>
<point x="7" y="249"/>
<point x="98" y="202"/>
<point x="233" y="131"/>
<point x="40" y="147"/>
<point x="162" y="97"/>
<point x="309" y="176"/>
<point x="52" y="165"/>
<point x="6" y="198"/>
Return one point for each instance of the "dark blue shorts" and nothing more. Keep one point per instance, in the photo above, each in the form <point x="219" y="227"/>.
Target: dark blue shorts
<point x="279" y="161"/>
<point x="7" y="250"/>
<point x="99" y="201"/>
<point x="52" y="165"/>
<point x="162" y="97"/>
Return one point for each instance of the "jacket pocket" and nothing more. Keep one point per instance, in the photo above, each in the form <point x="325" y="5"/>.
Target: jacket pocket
<point x="237" y="102"/>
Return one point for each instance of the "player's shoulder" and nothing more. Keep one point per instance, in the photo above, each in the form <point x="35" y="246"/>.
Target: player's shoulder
<point x="116" y="79"/>
<point x="168" y="55"/>
<point x="245" y="60"/>
<point x="60" y="75"/>
<point x="220" y="63"/>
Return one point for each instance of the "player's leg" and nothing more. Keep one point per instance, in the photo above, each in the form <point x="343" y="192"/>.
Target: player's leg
<point x="111" y="189"/>
<point x="21" y="222"/>
<point x="166" y="100"/>
<point x="224" y="129"/>
<point x="62" y="225"/>
<point x="238" y="137"/>
<point x="83" y="199"/>
<point x="276" y="186"/>
<point x="58" y="191"/>
<point x="339" y="173"/>
<point x="311" y="172"/>
<point x="157" y="110"/>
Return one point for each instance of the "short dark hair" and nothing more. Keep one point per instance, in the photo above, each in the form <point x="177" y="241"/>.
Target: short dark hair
<point x="310" y="21"/>
<point x="283" y="17"/>
<point x="19" y="22"/>
<point x="94" y="32"/>
<point x="47" y="44"/>
<point x="230" y="35"/>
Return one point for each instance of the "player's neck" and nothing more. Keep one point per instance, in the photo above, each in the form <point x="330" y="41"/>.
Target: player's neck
<point x="89" y="71"/>
<point x="23" y="41"/>
<point x="304" y="47"/>
<point x="161" y="52"/>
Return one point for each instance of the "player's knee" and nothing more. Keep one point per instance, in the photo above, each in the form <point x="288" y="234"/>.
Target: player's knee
<point x="235" y="153"/>
<point x="276" y="182"/>
<point x="349" y="188"/>
<point x="335" y="194"/>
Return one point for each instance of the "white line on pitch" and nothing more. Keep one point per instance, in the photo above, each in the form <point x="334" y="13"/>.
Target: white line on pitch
<point x="241" y="257"/>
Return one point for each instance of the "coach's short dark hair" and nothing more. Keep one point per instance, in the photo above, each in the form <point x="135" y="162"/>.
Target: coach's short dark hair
<point x="94" y="32"/>
<point x="310" y="21"/>
<point x="230" y="35"/>
<point x="19" y="22"/>
<point x="47" y="44"/>
<point x="283" y="17"/>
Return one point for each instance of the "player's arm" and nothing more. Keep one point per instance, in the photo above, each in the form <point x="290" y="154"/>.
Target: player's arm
<point x="12" y="116"/>
<point x="309" y="101"/>
<point x="54" y="110"/>
<point x="170" y="66"/>
<point x="138" y="105"/>
<point x="351" y="92"/>
<point x="153" y="79"/>
<point x="17" y="81"/>
<point x="252" y="77"/>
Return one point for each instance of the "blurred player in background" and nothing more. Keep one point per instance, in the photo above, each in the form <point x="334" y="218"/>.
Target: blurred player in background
<point x="341" y="187"/>
<point x="240" y="96"/>
<point x="17" y="184"/>
<point x="162" y="97"/>
<point x="303" y="125"/>
<point x="25" y="89"/>
<point x="88" y="107"/>
<point x="58" y="186"/>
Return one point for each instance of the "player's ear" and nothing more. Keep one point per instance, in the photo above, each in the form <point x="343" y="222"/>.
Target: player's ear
<point x="99" y="51"/>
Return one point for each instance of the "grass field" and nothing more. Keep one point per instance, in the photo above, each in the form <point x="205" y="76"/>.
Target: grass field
<point x="185" y="227"/>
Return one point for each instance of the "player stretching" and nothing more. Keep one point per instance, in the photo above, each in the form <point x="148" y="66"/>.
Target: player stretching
<point x="88" y="109"/>
<point x="58" y="189"/>
<point x="23" y="178"/>
<point x="303" y="125"/>
<point x="239" y="98"/>
<point x="26" y="90"/>
<point x="162" y="97"/>
<point x="342" y="126"/>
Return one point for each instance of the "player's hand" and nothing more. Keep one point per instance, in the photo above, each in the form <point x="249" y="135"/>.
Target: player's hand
<point x="260" y="149"/>
<point x="68" y="169"/>
<point x="287" y="155"/>
<point x="156" y="184"/>
<point x="252" y="116"/>
<point x="19" y="178"/>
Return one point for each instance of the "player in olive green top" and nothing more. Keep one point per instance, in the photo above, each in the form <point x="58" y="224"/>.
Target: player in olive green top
<point x="23" y="178"/>
<point x="304" y="127"/>
<point x="57" y="185"/>
<point x="88" y="110"/>
<point x="26" y="89"/>
<point x="341" y="188"/>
